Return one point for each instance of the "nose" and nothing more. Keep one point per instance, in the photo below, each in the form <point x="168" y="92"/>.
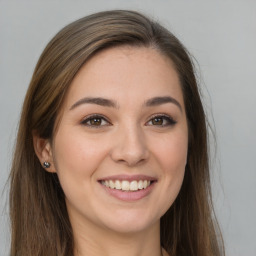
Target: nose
<point x="130" y="146"/>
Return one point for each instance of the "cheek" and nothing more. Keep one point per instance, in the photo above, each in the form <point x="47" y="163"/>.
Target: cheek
<point x="174" y="163"/>
<point x="172" y="156"/>
<point x="76" y="157"/>
<point x="172" y="153"/>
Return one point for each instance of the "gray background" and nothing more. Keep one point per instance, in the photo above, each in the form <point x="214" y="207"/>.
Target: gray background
<point x="222" y="37"/>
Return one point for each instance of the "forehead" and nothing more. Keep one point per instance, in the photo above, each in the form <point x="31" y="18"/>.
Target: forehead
<point x="126" y="73"/>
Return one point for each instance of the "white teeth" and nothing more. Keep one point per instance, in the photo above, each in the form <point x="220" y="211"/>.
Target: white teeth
<point x="140" y="184"/>
<point x="111" y="184"/>
<point x="134" y="185"/>
<point x="125" y="185"/>
<point x="118" y="185"/>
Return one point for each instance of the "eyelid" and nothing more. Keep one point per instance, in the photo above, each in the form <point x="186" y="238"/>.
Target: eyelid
<point x="171" y="120"/>
<point x="167" y="117"/>
<point x="100" y="116"/>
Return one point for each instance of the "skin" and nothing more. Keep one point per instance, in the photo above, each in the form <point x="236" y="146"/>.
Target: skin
<point x="127" y="141"/>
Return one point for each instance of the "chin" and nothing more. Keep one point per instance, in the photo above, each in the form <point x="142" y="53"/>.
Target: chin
<point x="131" y="222"/>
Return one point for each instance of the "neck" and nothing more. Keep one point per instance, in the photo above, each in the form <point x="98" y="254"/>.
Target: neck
<point x="104" y="242"/>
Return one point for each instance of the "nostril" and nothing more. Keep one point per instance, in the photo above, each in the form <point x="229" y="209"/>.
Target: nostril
<point x="129" y="159"/>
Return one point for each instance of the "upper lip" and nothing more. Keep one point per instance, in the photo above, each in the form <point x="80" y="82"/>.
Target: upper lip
<point x="129" y="177"/>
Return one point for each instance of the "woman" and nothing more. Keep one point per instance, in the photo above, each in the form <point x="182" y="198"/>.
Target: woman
<point x="111" y="155"/>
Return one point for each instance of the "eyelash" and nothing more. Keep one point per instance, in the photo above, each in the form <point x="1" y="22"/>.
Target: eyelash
<point x="95" y="116"/>
<point x="169" y="120"/>
<point x="165" y="118"/>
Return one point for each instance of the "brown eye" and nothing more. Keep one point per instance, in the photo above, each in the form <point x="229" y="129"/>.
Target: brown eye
<point x="157" y="121"/>
<point x="161" y="120"/>
<point x="95" y="121"/>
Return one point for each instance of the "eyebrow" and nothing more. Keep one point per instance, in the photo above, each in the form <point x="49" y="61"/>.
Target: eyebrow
<point x="156" y="101"/>
<point x="98" y="101"/>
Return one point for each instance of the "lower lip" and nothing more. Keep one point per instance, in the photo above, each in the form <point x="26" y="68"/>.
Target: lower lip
<point x="129" y="195"/>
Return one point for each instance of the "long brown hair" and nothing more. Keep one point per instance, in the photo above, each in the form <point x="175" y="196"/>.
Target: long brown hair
<point x="39" y="220"/>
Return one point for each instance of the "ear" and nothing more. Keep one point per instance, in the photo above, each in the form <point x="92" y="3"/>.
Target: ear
<point x="43" y="150"/>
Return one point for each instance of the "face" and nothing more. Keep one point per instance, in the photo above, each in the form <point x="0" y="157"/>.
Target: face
<point x="120" y="149"/>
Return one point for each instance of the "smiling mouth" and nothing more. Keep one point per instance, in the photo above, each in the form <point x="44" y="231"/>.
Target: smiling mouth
<point x="125" y="185"/>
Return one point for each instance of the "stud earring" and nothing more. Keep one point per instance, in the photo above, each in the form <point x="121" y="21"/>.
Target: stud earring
<point x="46" y="165"/>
